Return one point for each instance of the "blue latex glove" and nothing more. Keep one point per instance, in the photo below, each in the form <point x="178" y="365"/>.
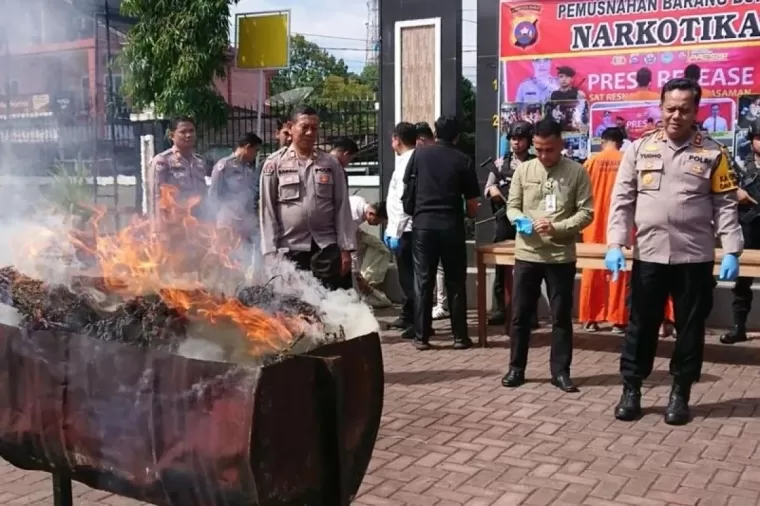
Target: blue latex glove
<point x="523" y="226"/>
<point x="614" y="261"/>
<point x="729" y="268"/>
<point x="392" y="243"/>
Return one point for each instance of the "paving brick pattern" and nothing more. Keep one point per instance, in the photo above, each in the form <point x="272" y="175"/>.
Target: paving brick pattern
<point x="451" y="435"/>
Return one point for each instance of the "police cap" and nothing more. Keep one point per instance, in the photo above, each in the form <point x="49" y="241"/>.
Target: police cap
<point x="754" y="129"/>
<point x="566" y="71"/>
<point x="521" y="130"/>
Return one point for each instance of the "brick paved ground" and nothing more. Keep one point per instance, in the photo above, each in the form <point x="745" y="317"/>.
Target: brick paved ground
<point x="451" y="435"/>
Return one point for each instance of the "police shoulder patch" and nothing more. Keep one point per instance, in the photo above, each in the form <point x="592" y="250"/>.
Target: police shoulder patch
<point x="723" y="178"/>
<point x="269" y="168"/>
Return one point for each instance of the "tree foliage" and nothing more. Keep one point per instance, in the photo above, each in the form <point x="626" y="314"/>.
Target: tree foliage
<point x="345" y="88"/>
<point x="370" y="76"/>
<point x="173" y="54"/>
<point x="310" y="65"/>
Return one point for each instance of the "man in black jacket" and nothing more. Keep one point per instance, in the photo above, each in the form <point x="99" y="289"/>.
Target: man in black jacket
<point x="444" y="186"/>
<point x="748" y="178"/>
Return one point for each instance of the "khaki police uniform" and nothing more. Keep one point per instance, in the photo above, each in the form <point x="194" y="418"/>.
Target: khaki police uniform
<point x="670" y="202"/>
<point x="305" y="210"/>
<point x="187" y="175"/>
<point x="233" y="194"/>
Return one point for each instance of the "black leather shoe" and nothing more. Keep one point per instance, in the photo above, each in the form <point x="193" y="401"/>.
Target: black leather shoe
<point x="399" y="324"/>
<point x="496" y="318"/>
<point x="513" y="379"/>
<point x="420" y="344"/>
<point x="564" y="383"/>
<point x="629" y="407"/>
<point x="677" y="412"/>
<point x="408" y="333"/>
<point x="462" y="344"/>
<point x="737" y="334"/>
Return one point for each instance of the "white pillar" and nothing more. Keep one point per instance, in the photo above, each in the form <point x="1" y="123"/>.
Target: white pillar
<point x="147" y="152"/>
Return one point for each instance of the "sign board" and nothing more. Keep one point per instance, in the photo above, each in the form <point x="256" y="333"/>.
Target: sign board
<point x="263" y="40"/>
<point x="36" y="105"/>
<point x="596" y="54"/>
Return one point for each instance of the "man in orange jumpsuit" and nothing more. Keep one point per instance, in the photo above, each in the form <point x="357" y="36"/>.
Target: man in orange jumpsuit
<point x="600" y="298"/>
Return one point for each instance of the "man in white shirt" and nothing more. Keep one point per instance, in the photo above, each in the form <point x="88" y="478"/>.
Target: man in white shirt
<point x="715" y="123"/>
<point x="398" y="231"/>
<point x="369" y="262"/>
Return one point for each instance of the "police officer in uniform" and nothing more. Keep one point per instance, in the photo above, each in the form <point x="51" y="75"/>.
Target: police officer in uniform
<point x="520" y="137"/>
<point x="305" y="211"/>
<point x="676" y="188"/>
<point x="234" y="189"/>
<point x="179" y="167"/>
<point x="747" y="176"/>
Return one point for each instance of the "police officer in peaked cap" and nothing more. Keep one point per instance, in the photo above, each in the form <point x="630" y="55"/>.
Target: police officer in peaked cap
<point x="520" y="136"/>
<point x="748" y="178"/>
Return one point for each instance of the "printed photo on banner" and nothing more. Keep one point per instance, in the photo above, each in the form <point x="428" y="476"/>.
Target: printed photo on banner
<point x="509" y="113"/>
<point x="576" y="147"/>
<point x="749" y="110"/>
<point x="639" y="118"/>
<point x="594" y="53"/>
<point x="742" y="146"/>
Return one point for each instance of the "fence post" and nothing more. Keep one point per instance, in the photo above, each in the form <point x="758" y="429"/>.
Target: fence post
<point x="147" y="152"/>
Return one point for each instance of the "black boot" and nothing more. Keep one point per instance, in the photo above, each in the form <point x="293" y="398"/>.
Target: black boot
<point x="738" y="333"/>
<point x="497" y="317"/>
<point x="677" y="412"/>
<point x="629" y="407"/>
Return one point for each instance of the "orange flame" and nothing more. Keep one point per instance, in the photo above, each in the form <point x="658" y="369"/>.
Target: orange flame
<point x="177" y="258"/>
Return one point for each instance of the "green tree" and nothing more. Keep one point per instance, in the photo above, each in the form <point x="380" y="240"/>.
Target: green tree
<point x="371" y="76"/>
<point x="310" y="65"/>
<point x="172" y="55"/>
<point x="345" y="88"/>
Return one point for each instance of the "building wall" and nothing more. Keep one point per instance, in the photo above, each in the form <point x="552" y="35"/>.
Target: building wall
<point x="54" y="50"/>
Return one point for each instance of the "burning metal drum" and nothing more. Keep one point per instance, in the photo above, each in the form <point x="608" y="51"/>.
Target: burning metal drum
<point x="169" y="430"/>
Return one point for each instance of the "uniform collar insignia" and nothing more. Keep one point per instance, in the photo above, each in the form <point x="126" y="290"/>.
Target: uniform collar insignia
<point x="697" y="140"/>
<point x="659" y="135"/>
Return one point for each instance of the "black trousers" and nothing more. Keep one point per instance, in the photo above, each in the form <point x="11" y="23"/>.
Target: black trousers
<point x="560" y="287"/>
<point x="448" y="247"/>
<point x="405" y="264"/>
<point x="330" y="277"/>
<point x="742" y="303"/>
<point x="503" y="232"/>
<point x="691" y="287"/>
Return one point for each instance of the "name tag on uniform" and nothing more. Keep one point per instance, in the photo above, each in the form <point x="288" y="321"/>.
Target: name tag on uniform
<point x="550" y="202"/>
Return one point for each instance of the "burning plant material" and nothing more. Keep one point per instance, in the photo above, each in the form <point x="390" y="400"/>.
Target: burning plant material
<point x="165" y="289"/>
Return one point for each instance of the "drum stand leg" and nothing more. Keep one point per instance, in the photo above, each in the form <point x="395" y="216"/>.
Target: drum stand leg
<point x="62" y="490"/>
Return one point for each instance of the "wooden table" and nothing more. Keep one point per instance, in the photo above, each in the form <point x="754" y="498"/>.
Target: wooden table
<point x="590" y="256"/>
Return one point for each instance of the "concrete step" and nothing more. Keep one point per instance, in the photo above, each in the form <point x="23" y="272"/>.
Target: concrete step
<point x="720" y="317"/>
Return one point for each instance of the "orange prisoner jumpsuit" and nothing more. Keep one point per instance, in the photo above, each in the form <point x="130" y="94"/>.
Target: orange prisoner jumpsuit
<point x="601" y="299"/>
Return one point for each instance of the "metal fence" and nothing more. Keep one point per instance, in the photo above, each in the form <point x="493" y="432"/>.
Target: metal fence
<point x="356" y="120"/>
<point x="33" y="145"/>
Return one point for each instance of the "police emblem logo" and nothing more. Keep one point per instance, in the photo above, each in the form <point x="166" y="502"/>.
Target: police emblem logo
<point x="647" y="179"/>
<point x="525" y="25"/>
<point x="698" y="170"/>
<point x="324" y="178"/>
